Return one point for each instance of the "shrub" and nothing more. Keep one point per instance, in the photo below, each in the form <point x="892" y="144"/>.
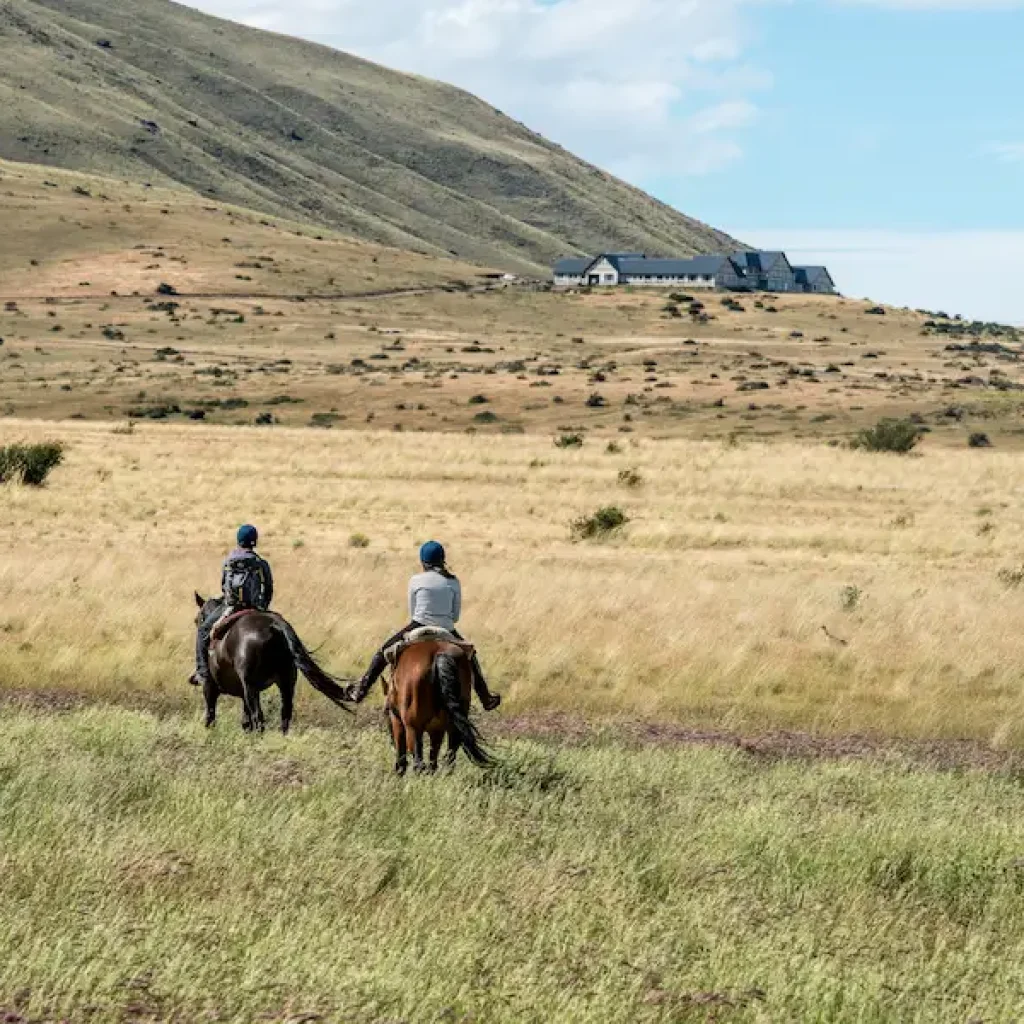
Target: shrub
<point x="613" y="448"/>
<point x="485" y="417"/>
<point x="979" y="440"/>
<point x="359" y="540"/>
<point x="875" y="311"/>
<point x="889" y="435"/>
<point x="603" y="523"/>
<point x="569" y="441"/>
<point x="596" y="401"/>
<point x="849" y="598"/>
<point x="30" y="463"/>
<point x="630" y="478"/>
<point x="166" y="289"/>
<point x="1011" y="577"/>
<point x="478" y="400"/>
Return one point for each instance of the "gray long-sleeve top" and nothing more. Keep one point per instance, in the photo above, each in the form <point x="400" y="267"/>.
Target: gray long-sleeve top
<point x="435" y="599"/>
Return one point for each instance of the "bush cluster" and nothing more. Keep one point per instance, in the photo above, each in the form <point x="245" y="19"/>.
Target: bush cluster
<point x="603" y="523"/>
<point x="888" y="435"/>
<point x="30" y="464"/>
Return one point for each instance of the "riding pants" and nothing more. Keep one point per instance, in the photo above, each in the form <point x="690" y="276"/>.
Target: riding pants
<point x="206" y="623"/>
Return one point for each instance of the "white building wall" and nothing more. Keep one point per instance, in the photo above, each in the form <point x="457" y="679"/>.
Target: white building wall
<point x="605" y="273"/>
<point x="686" y="281"/>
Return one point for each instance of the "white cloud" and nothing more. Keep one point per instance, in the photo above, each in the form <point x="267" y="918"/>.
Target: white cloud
<point x="644" y="87"/>
<point x="977" y="273"/>
<point x="1007" y="152"/>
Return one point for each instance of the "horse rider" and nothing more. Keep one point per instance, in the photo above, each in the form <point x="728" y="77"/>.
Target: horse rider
<point x="246" y="582"/>
<point x="435" y="599"/>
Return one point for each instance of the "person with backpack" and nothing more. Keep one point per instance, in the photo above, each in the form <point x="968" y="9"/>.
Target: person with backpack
<point x="246" y="582"/>
<point x="435" y="599"/>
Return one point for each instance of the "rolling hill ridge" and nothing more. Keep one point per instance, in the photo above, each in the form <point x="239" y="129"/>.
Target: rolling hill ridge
<point x="150" y="90"/>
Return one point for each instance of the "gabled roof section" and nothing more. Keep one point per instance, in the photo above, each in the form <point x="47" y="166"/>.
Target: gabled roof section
<point x="807" y="274"/>
<point x="758" y="262"/>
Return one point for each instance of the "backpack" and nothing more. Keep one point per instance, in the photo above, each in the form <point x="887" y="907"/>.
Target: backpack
<point x="244" y="582"/>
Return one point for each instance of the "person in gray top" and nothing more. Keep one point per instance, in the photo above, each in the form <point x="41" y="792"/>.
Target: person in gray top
<point x="245" y="582"/>
<point x="435" y="599"/>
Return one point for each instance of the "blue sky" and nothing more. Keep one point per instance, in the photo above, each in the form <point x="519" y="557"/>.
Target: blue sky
<point x="882" y="137"/>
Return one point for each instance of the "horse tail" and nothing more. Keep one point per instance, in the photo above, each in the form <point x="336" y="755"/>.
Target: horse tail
<point x="446" y="678"/>
<point x="320" y="680"/>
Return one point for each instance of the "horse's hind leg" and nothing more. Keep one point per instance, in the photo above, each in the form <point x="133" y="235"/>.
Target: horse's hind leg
<point x="436" y="740"/>
<point x="252" y="717"/>
<point x="414" y="739"/>
<point x="287" y="688"/>
<point x="398" y="735"/>
<point x="211" y="693"/>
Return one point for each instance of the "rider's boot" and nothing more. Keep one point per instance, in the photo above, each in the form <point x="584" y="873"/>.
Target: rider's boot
<point x="489" y="700"/>
<point x="358" y="691"/>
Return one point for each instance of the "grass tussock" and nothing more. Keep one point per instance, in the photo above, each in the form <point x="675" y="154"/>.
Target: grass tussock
<point x="152" y="871"/>
<point x="606" y="522"/>
<point x="889" y="435"/>
<point x="30" y="464"/>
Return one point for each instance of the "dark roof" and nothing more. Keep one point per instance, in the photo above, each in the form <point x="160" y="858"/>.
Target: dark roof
<point x="572" y="265"/>
<point x="806" y="274"/>
<point x="578" y="266"/>
<point x="638" y="265"/>
<point x="758" y="262"/>
<point x="708" y="265"/>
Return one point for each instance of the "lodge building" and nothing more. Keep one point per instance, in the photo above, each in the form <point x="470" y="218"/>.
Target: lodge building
<point x="749" y="270"/>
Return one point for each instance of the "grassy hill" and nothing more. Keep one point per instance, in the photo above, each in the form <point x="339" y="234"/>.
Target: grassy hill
<point x="78" y="235"/>
<point x="152" y="91"/>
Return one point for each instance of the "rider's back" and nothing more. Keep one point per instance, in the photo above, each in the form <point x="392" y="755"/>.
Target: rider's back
<point x="247" y="581"/>
<point x="435" y="599"/>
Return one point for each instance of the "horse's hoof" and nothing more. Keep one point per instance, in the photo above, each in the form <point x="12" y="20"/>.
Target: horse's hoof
<point x="492" y="702"/>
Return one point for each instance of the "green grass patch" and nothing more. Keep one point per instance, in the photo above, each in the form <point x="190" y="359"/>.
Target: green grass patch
<point x="154" y="871"/>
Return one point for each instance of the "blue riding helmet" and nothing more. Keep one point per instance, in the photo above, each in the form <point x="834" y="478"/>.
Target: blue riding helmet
<point x="432" y="554"/>
<point x="248" y="536"/>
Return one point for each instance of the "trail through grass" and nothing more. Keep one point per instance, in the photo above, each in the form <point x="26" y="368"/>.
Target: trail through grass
<point x="151" y="871"/>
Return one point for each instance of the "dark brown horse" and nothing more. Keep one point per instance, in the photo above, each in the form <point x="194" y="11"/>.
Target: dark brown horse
<point x="429" y="694"/>
<point x="259" y="650"/>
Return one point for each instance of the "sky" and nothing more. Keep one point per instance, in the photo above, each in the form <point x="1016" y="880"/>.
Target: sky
<point x="884" y="138"/>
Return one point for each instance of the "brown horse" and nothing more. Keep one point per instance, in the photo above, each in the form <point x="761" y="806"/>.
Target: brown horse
<point x="429" y="693"/>
<point x="257" y="651"/>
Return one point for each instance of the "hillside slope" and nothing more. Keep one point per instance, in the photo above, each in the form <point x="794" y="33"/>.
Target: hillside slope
<point x="150" y="90"/>
<point x="73" y="234"/>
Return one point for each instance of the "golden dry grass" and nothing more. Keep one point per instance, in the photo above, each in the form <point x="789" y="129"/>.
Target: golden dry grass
<point x="709" y="608"/>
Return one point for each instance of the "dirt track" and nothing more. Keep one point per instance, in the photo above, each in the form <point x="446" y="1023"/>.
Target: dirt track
<point x="574" y="730"/>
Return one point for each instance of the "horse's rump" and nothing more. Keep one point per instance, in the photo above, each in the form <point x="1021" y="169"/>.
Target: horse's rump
<point x="424" y="634"/>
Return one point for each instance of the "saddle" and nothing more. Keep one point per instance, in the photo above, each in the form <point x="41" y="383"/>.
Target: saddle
<point x="421" y="635"/>
<point x="222" y="625"/>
